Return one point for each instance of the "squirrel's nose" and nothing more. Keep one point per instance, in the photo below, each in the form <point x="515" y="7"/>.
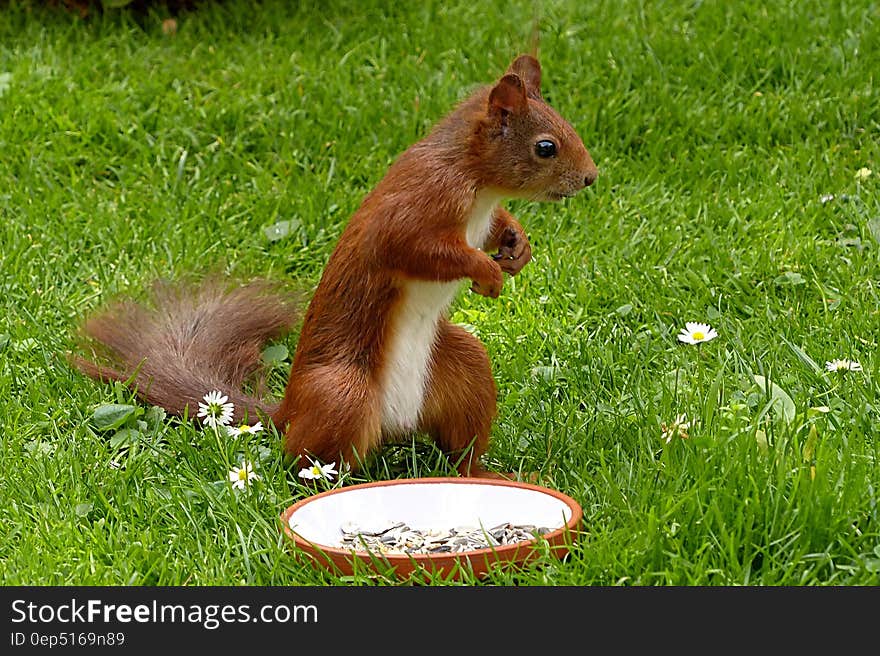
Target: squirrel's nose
<point x="591" y="177"/>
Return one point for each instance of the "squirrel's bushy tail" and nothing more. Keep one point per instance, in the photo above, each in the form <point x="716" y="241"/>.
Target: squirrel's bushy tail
<point x="189" y="340"/>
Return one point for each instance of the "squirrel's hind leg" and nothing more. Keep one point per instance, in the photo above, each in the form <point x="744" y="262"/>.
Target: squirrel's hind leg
<point x="333" y="417"/>
<point x="460" y="402"/>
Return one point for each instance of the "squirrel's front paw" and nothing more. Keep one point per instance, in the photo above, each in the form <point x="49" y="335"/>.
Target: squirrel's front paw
<point x="490" y="284"/>
<point x="514" y="252"/>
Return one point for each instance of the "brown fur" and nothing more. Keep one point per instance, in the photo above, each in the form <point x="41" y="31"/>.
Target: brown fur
<point x="192" y="340"/>
<point x="412" y="226"/>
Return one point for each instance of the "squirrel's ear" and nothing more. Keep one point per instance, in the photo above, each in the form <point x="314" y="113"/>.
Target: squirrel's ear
<point x="529" y="71"/>
<point x="508" y="96"/>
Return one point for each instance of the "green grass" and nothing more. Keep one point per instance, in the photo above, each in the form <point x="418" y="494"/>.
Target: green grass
<point x="129" y="155"/>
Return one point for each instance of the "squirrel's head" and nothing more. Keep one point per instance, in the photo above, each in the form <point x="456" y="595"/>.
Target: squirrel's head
<point x="526" y="147"/>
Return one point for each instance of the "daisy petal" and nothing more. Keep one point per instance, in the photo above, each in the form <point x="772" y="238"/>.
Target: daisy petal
<point x="695" y="333"/>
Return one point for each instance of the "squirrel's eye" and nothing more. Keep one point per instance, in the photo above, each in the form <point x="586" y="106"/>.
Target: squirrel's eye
<point x="545" y="148"/>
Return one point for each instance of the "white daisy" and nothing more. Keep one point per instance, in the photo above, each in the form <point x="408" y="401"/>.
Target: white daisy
<point x="242" y="476"/>
<point x="677" y="428"/>
<point x="215" y="411"/>
<point x="694" y="333"/>
<point x="863" y="174"/>
<point x="244" y="429"/>
<point x="826" y="198"/>
<point x="317" y="470"/>
<point x="843" y="365"/>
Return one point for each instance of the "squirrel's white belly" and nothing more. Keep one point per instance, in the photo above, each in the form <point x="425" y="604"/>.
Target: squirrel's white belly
<point x="411" y="342"/>
<point x="414" y="331"/>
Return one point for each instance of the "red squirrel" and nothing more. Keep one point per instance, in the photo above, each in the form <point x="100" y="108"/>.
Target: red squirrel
<point x="377" y="359"/>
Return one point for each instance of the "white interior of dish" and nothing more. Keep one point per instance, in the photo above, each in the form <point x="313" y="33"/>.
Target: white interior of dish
<point x="426" y="506"/>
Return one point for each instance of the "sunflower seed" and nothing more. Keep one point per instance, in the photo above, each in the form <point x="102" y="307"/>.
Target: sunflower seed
<point x="397" y="537"/>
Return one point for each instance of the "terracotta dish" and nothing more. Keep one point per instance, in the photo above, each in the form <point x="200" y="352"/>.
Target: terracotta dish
<point x="314" y="524"/>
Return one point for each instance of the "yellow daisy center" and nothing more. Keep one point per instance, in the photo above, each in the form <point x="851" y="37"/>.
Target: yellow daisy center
<point x="699" y="335"/>
<point x="242" y="474"/>
<point x="316" y="470"/>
